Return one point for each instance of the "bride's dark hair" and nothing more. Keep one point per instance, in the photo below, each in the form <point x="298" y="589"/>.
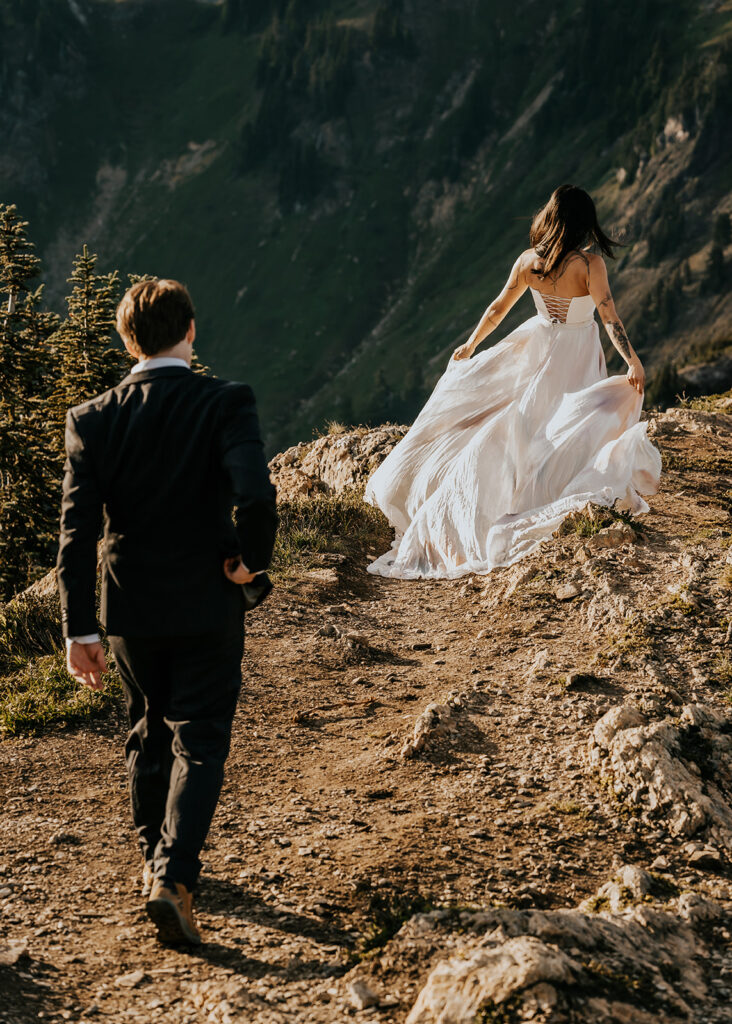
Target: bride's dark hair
<point x="568" y="221"/>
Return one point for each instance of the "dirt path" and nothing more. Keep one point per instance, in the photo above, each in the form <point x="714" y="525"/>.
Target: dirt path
<point x="326" y="838"/>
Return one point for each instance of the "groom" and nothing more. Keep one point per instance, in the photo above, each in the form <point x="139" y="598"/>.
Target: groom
<point x="160" y="460"/>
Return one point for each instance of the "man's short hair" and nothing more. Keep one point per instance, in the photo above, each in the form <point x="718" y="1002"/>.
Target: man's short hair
<point x="154" y="315"/>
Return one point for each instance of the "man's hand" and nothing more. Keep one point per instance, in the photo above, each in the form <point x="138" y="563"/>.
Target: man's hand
<point x="235" y="571"/>
<point x="86" y="662"/>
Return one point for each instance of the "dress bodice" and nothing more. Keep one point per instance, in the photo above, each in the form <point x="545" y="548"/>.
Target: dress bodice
<point x="579" y="309"/>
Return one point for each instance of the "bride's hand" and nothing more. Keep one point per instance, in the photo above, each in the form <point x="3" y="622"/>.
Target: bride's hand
<point x="463" y="352"/>
<point x="636" y="375"/>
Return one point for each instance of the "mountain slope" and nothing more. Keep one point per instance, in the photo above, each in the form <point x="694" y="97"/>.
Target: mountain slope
<point x="344" y="185"/>
<point x="485" y="750"/>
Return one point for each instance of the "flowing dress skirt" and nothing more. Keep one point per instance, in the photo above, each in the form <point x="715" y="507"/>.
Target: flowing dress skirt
<point x="507" y="445"/>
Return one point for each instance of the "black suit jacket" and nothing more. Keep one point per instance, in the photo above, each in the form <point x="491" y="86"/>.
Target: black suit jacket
<point x="161" y="460"/>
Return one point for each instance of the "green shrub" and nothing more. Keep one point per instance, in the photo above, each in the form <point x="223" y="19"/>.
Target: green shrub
<point x="42" y="693"/>
<point x="35" y="689"/>
<point x="588" y="521"/>
<point x="387" y="912"/>
<point x="341" y="523"/>
<point x="29" y="625"/>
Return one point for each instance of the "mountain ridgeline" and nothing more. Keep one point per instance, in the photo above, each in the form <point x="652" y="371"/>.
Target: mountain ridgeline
<point x="344" y="185"/>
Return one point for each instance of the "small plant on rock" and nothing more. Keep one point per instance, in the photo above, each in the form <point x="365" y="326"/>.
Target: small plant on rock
<point x="387" y="913"/>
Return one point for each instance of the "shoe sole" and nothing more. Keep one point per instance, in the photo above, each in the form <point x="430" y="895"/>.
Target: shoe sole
<point x="172" y="929"/>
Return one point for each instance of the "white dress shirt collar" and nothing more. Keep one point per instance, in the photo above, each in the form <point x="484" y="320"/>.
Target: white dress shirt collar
<point x="156" y="362"/>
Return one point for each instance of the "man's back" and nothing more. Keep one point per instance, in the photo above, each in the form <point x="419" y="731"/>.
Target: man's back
<point x="167" y="453"/>
<point x="161" y="460"/>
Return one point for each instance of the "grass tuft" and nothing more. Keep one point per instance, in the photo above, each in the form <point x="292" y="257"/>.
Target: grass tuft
<point x="42" y="693"/>
<point x="387" y="913"/>
<point x="334" y="428"/>
<point x="29" y="626"/>
<point x="36" y="691"/>
<point x="722" y="674"/>
<point x="571" y="807"/>
<point x="588" y="521"/>
<point x="708" y="403"/>
<point x="341" y="523"/>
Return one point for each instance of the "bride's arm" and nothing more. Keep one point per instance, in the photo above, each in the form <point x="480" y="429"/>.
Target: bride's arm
<point x="599" y="288"/>
<point x="513" y="289"/>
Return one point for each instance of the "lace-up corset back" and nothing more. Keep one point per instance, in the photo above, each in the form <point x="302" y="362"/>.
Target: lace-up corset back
<point x="578" y="309"/>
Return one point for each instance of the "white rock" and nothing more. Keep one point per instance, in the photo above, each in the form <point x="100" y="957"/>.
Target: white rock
<point x="457" y="989"/>
<point x="652" y="765"/>
<point x="546" y="964"/>
<point x="12" y="951"/>
<point x="616" y="719"/>
<point x="334" y="463"/>
<point x="130" y="980"/>
<point x="629" y="885"/>
<point x="614" y="536"/>
<point x="361" y="996"/>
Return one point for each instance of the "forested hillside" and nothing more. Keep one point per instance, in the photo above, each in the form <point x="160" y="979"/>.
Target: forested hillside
<point x="344" y="184"/>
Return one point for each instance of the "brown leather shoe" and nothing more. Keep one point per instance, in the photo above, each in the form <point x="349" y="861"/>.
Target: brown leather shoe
<point x="148" y="877"/>
<point x="171" y="911"/>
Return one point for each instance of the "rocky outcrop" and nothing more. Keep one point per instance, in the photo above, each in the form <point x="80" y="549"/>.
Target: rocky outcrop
<point x="682" y="420"/>
<point x="435" y="722"/>
<point x="677" y="769"/>
<point x="708" y="378"/>
<point x="638" y="965"/>
<point x="333" y="463"/>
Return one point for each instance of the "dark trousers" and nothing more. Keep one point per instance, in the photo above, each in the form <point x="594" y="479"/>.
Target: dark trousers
<point x="181" y="695"/>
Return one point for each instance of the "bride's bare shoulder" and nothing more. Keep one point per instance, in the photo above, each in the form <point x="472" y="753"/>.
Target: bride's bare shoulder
<point x="595" y="262"/>
<point x="530" y="261"/>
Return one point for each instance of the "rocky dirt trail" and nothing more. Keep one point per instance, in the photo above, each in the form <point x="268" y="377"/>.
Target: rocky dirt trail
<point x="502" y="798"/>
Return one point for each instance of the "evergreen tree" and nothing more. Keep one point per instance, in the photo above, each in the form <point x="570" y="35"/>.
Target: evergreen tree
<point x="667" y="227"/>
<point x="84" y="361"/>
<point x="231" y="14"/>
<point x="301" y="174"/>
<point x="722" y="230"/>
<point x="384" y="401"/>
<point x="668" y="303"/>
<point x="305" y="65"/>
<point x="475" y="115"/>
<point x="388" y="32"/>
<point x="28" y="498"/>
<point x="714" y="270"/>
<point x="412" y="392"/>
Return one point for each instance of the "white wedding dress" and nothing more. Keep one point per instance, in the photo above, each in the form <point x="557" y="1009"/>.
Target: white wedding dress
<point x="509" y="443"/>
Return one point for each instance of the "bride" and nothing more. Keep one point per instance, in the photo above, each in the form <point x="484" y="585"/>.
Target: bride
<point x="517" y="437"/>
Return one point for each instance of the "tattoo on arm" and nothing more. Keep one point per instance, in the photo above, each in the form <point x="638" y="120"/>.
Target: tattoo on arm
<point x="513" y="281"/>
<point x="486" y="319"/>
<point x="619" y="338"/>
<point x="607" y="300"/>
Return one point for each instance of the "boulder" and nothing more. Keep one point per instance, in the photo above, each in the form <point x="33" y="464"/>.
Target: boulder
<point x="640" y="965"/>
<point x="677" y="770"/>
<point x="333" y="463"/>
